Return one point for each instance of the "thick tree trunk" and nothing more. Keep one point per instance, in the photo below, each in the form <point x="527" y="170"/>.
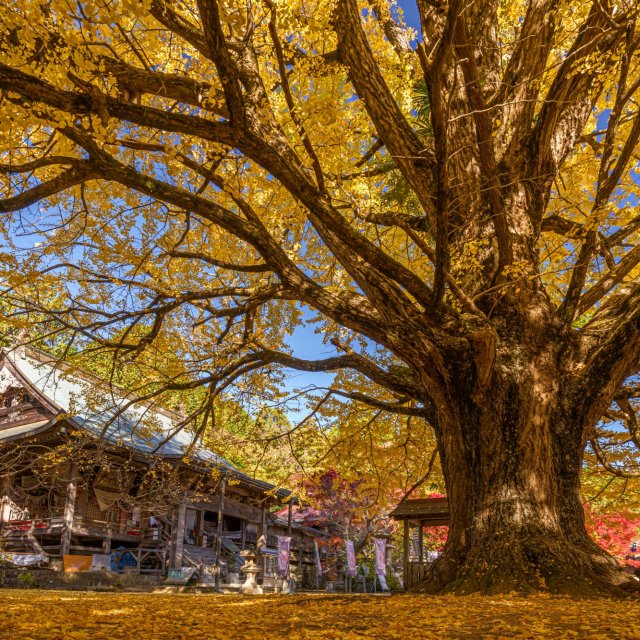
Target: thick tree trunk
<point x="512" y="457"/>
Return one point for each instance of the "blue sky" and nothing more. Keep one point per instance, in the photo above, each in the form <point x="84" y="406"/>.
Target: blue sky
<point x="410" y="9"/>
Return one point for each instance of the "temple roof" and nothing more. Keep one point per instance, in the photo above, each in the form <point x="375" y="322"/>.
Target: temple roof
<point x="89" y="404"/>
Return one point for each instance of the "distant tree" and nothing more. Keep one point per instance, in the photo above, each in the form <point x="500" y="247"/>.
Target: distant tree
<point x="345" y="509"/>
<point x="341" y="506"/>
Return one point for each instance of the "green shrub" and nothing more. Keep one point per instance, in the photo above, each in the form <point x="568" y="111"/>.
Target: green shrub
<point x="27" y="580"/>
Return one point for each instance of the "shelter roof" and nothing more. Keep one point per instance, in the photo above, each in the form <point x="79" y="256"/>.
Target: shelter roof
<point x="312" y="531"/>
<point x="429" y="511"/>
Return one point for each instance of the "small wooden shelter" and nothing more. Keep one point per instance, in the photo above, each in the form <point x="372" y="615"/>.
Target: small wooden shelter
<point x="418" y="513"/>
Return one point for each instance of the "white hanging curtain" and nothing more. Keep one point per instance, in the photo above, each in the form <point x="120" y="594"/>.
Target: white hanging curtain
<point x="106" y="499"/>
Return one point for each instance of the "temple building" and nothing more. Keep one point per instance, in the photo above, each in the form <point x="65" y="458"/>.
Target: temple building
<point x="85" y="476"/>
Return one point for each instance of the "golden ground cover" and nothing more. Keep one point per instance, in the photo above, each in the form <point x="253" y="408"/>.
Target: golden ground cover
<point x="66" y="615"/>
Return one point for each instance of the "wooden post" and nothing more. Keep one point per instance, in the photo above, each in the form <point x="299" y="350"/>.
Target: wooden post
<point x="263" y="526"/>
<point x="5" y="502"/>
<point x="421" y="542"/>
<point x="69" y="509"/>
<point x="180" y="531"/>
<point x="199" y="526"/>
<point x="4" y="508"/>
<point x="289" y="516"/>
<point x="243" y="535"/>
<point x="177" y="534"/>
<point x="173" y="525"/>
<point x="106" y="543"/>
<point x="223" y="486"/>
<point x="405" y="557"/>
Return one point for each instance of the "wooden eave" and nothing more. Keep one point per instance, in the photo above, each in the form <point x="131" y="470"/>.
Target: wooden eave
<point x="426" y="511"/>
<point x="256" y="489"/>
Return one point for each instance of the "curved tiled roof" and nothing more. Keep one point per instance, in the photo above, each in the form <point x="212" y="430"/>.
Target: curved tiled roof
<point x="90" y="405"/>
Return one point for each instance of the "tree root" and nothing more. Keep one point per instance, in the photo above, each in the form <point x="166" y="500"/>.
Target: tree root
<point x="527" y="566"/>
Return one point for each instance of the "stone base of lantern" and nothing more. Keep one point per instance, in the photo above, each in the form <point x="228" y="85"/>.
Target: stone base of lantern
<point x="282" y="586"/>
<point x="252" y="589"/>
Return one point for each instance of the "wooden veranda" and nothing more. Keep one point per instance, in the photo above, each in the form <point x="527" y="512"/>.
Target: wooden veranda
<point x="418" y="513"/>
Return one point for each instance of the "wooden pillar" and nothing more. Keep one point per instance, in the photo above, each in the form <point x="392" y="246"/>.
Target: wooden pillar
<point x="199" y="526"/>
<point x="4" y="510"/>
<point x="421" y="542"/>
<point x="289" y="516"/>
<point x="5" y="499"/>
<point x="243" y="535"/>
<point x="405" y="556"/>
<point x="264" y="528"/>
<point x="69" y="509"/>
<point x="177" y="534"/>
<point x="173" y="526"/>
<point x="223" y="486"/>
<point x="106" y="543"/>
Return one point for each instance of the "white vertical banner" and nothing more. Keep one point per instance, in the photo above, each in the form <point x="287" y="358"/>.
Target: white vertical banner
<point x="351" y="558"/>
<point x="381" y="556"/>
<point x="284" y="548"/>
<point x="318" y="563"/>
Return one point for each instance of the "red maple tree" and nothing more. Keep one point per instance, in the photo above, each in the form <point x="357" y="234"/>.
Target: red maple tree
<point x="614" y="532"/>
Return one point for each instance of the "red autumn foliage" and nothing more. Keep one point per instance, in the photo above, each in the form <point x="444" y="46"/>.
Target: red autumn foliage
<point x="338" y="506"/>
<point x="435" y="537"/>
<point x="614" y="532"/>
<point x="335" y="503"/>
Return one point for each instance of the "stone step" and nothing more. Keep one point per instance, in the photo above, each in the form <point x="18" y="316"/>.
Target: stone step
<point x="198" y="553"/>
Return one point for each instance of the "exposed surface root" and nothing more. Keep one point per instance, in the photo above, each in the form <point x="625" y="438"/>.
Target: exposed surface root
<point x="529" y="565"/>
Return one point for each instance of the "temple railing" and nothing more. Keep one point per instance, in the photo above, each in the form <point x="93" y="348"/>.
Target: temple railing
<point x="147" y="536"/>
<point x="21" y="526"/>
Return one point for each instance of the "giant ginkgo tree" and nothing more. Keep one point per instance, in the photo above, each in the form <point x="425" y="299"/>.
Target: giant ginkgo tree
<point x="456" y="208"/>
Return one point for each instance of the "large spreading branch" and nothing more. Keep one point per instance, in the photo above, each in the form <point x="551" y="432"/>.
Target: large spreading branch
<point x="405" y="147"/>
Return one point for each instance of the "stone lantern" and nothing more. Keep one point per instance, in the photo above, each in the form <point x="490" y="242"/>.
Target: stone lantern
<point x="251" y="570"/>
